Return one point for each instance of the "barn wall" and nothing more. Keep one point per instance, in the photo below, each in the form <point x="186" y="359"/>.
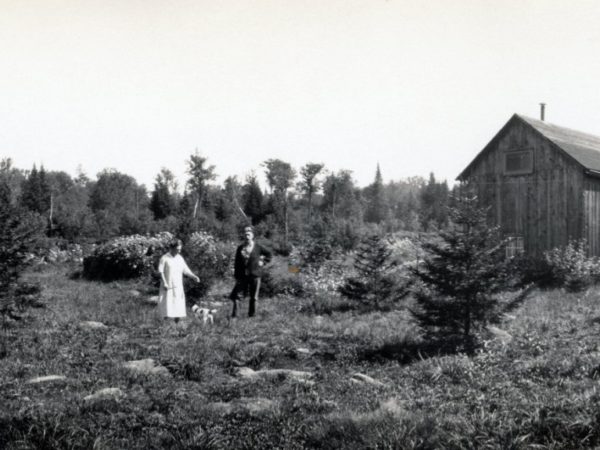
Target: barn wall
<point x="546" y="207"/>
<point x="591" y="202"/>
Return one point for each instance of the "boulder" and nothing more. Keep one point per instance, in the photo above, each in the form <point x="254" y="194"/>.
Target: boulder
<point x="46" y="379"/>
<point x="104" y="394"/>
<point x="92" y="325"/>
<point x="274" y="374"/>
<point x="146" y="367"/>
<point x="499" y="334"/>
<point x="252" y="405"/>
<point x="362" y="378"/>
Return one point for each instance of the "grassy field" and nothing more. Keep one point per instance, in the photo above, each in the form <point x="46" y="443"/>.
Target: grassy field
<point x="290" y="378"/>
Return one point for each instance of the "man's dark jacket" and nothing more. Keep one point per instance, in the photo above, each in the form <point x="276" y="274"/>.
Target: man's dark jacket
<point x="251" y="267"/>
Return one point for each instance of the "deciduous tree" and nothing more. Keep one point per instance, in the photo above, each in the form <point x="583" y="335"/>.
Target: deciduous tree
<point x="201" y="174"/>
<point x="310" y="184"/>
<point x="340" y="196"/>
<point x="119" y="204"/>
<point x="280" y="177"/>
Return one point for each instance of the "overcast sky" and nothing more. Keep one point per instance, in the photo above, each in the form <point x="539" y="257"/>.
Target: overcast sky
<point x="417" y="86"/>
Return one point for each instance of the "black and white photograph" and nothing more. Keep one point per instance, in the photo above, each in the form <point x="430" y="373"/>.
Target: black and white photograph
<point x="299" y="224"/>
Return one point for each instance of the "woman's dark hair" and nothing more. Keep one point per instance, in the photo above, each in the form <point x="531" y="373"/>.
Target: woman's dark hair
<point x="175" y="243"/>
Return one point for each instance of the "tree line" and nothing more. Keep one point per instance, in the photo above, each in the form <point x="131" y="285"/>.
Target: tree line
<point x="294" y="203"/>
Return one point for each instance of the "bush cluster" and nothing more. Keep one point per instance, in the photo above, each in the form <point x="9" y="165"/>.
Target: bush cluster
<point x="208" y="258"/>
<point x="570" y="266"/>
<point x="137" y="256"/>
<point x="126" y="257"/>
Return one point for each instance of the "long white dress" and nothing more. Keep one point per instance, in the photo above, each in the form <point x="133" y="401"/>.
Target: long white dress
<point x="171" y="302"/>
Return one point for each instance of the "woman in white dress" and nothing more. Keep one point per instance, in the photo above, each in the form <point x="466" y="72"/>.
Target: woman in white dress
<point x="172" y="267"/>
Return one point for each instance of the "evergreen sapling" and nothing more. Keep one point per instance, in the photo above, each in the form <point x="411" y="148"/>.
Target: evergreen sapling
<point x="376" y="283"/>
<point x="460" y="276"/>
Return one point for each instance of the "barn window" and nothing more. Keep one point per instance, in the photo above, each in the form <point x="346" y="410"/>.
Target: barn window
<point x="518" y="162"/>
<point x="514" y="246"/>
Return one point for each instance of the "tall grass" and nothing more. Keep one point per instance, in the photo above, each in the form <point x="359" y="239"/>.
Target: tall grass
<point x="535" y="389"/>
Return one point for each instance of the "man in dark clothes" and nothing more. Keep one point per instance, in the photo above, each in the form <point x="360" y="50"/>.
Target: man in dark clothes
<point x="250" y="257"/>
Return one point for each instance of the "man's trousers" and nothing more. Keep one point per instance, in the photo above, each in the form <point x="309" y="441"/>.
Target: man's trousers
<point x="247" y="286"/>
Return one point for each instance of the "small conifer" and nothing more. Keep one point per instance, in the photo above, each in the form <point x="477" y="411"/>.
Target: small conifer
<point x="459" y="277"/>
<point x="375" y="285"/>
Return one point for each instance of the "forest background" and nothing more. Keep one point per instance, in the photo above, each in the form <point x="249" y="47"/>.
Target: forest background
<point x="295" y="204"/>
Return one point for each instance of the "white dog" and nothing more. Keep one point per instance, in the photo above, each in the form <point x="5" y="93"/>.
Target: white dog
<point x="204" y="313"/>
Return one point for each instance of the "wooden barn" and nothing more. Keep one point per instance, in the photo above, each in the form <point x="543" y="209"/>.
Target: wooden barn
<point x="541" y="183"/>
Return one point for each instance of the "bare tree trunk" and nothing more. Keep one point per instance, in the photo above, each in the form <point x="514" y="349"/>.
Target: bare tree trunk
<point x="51" y="210"/>
<point x="285" y="218"/>
<point x="195" y="207"/>
<point x="333" y="204"/>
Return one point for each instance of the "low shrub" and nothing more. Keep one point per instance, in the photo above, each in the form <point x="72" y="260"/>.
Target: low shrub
<point x="282" y="280"/>
<point x="296" y="278"/>
<point x="126" y="257"/>
<point x="327" y="305"/>
<point x="324" y="279"/>
<point x="208" y="258"/>
<point x="570" y="266"/>
<point x="137" y="256"/>
<point x="524" y="270"/>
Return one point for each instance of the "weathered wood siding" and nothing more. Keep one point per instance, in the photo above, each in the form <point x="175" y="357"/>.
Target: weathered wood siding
<point x="591" y="204"/>
<point x="546" y="207"/>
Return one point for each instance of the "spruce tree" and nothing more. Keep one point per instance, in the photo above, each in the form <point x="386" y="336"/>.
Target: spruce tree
<point x="459" y="277"/>
<point x="163" y="202"/>
<point x="376" y="208"/>
<point x="19" y="231"/>
<point x="376" y="284"/>
<point x="253" y="199"/>
<point x="35" y="193"/>
<point x="434" y="202"/>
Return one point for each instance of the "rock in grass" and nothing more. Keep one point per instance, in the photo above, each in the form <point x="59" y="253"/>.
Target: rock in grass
<point x="277" y="374"/>
<point x="146" y="367"/>
<point x="393" y="406"/>
<point x="104" y="394"/>
<point x="135" y="293"/>
<point x="46" y="379"/>
<point x="362" y="378"/>
<point x="92" y="325"/>
<point x="251" y="405"/>
<point x="500" y="334"/>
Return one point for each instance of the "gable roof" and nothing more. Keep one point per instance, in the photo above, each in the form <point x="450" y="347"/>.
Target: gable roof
<point x="582" y="147"/>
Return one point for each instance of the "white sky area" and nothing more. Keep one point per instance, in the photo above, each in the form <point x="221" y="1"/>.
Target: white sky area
<point x="416" y="86"/>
